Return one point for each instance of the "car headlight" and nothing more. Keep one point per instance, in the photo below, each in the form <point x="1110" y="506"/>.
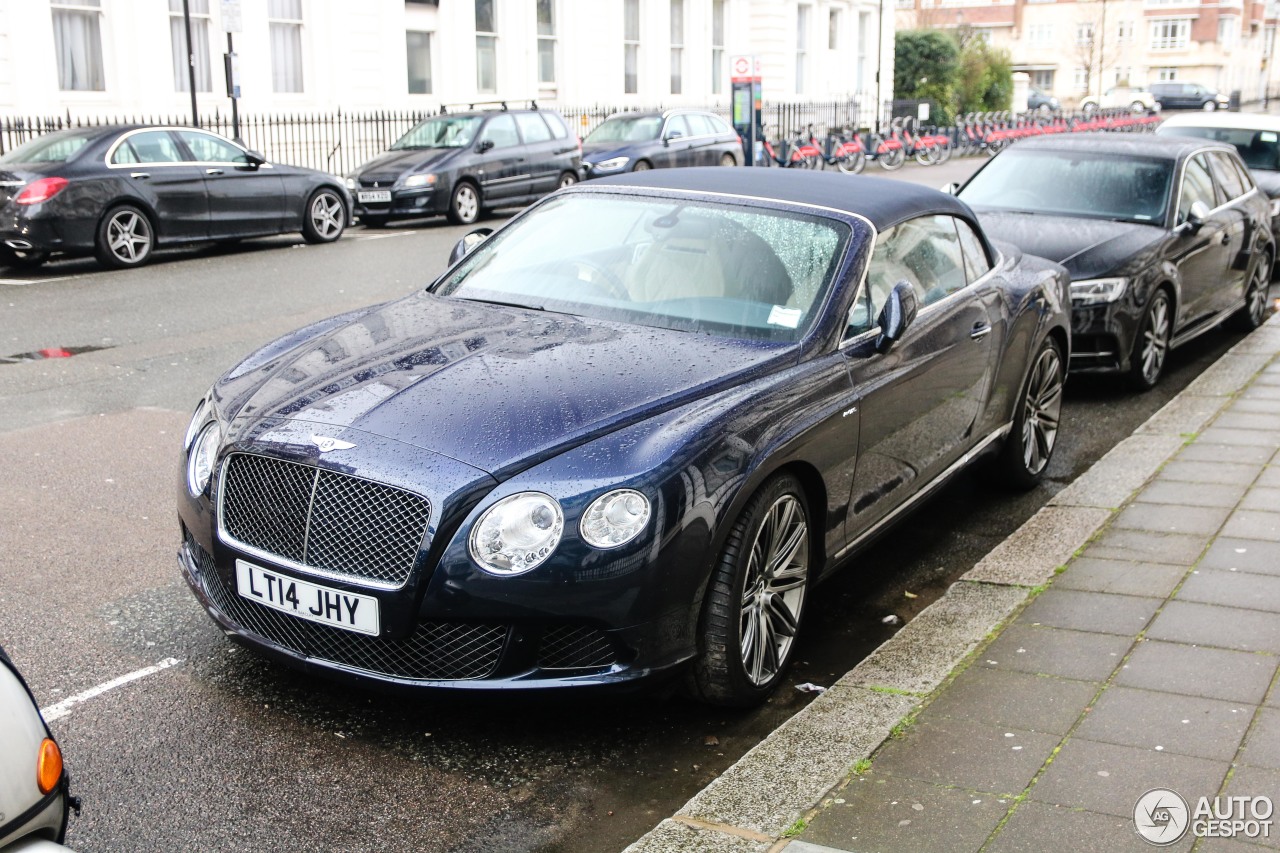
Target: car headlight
<point x="419" y="181"/>
<point x="614" y="518"/>
<point x="351" y="183"/>
<point x="201" y="416"/>
<point x="202" y="457"/>
<point x="1275" y="207"/>
<point x="612" y="163"/>
<point x="1097" y="291"/>
<point x="517" y="534"/>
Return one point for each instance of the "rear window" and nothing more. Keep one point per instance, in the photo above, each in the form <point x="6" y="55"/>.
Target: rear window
<point x="558" y="128"/>
<point x="1260" y="149"/>
<point x="52" y="148"/>
<point x="532" y="128"/>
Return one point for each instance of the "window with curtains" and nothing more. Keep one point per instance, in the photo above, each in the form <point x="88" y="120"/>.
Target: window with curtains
<point x="77" y="44"/>
<point x="802" y="46"/>
<point x="717" y="47"/>
<point x="199" y="45"/>
<point x="285" y="20"/>
<point x="631" y="46"/>
<point x="418" y="53"/>
<point x="546" y="42"/>
<point x="486" y="48"/>
<point x="677" y="46"/>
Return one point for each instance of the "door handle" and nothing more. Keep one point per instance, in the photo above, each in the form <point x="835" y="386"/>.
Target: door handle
<point x="213" y="171"/>
<point x="140" y="175"/>
<point x="980" y="331"/>
<point x="1226" y="238"/>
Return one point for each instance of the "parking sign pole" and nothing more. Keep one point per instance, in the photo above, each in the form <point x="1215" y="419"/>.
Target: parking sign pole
<point x="191" y="64"/>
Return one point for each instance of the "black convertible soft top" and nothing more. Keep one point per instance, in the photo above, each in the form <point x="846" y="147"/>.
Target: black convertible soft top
<point x="884" y="202"/>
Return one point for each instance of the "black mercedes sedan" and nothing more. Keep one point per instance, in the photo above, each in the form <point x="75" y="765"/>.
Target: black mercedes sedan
<point x="119" y="192"/>
<point x="1165" y="238"/>
<point x="624" y="436"/>
<point x="635" y="141"/>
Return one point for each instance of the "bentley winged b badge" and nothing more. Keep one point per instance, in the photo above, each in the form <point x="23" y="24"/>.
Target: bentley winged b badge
<point x="325" y="443"/>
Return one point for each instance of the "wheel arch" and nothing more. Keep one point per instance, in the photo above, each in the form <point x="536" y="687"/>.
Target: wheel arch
<point x="153" y="218"/>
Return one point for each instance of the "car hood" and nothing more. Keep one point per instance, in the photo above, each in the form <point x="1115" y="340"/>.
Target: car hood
<point x="497" y="388"/>
<point x="1268" y="182"/>
<point x="1088" y="248"/>
<point x="390" y="165"/>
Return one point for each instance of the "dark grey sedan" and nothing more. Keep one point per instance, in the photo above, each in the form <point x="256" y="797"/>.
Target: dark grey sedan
<point x="634" y="142"/>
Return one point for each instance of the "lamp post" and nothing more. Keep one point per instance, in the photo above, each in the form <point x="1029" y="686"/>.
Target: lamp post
<point x="191" y="64"/>
<point x="879" y="105"/>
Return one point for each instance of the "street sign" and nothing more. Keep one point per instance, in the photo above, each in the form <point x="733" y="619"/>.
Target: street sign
<point x="230" y="15"/>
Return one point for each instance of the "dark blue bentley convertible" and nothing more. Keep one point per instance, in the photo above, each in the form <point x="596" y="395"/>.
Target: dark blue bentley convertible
<point x="625" y="434"/>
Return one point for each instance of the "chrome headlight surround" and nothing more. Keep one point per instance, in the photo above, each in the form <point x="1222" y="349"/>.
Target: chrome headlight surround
<point x="423" y="180"/>
<point x="517" y="534"/>
<point x="1098" y="291"/>
<point x="202" y="457"/>
<point x="614" y="519"/>
<point x="612" y="164"/>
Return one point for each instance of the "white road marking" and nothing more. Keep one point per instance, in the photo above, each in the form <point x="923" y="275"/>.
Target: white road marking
<point x="385" y="236"/>
<point x="23" y="282"/>
<point x="60" y="710"/>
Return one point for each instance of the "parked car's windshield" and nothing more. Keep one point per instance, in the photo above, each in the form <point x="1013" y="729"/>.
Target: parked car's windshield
<point x="51" y="148"/>
<point x="1260" y="149"/>
<point x="440" y="132"/>
<point x="727" y="270"/>
<point x="1074" y="183"/>
<point x="626" y="129"/>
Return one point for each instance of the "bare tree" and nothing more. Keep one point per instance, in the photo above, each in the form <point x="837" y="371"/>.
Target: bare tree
<point x="1093" y="49"/>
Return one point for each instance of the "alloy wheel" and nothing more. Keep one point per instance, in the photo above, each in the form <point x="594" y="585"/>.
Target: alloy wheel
<point x="774" y="590"/>
<point x="1042" y="411"/>
<point x="327" y="215"/>
<point x="129" y="236"/>
<point x="466" y="203"/>
<point x="1154" y="343"/>
<point x="1256" y="298"/>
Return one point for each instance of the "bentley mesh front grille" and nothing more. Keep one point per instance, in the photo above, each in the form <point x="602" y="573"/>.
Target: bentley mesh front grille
<point x="323" y="520"/>
<point x="436" y="651"/>
<point x="575" y="647"/>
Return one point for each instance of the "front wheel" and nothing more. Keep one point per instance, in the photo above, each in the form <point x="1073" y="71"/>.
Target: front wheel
<point x="125" y="238"/>
<point x="464" y="204"/>
<point x="642" y="166"/>
<point x="1137" y="107"/>
<point x="567" y="179"/>
<point x="1151" y="347"/>
<point x="852" y="164"/>
<point x="1254" y="311"/>
<point x="728" y="160"/>
<point x="1030" y="445"/>
<point x="1210" y="106"/>
<point x="891" y="158"/>
<point x="755" y="602"/>
<point x="326" y="217"/>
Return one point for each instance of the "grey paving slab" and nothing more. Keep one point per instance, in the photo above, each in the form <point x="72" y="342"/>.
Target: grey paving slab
<point x="973" y="756"/>
<point x="1262" y="748"/>
<point x="1091" y="611"/>
<point x="1140" y="545"/>
<point x="1224" y="627"/>
<point x="1264" y="407"/>
<point x="1250" y="437"/>
<point x="1210" y="472"/>
<point x="1264" y="498"/>
<point x="1236" y="419"/>
<point x="1252" y="524"/>
<point x="1044" y="650"/>
<point x="1184" y="414"/>
<point x="1202" y="494"/>
<point x="1231" y="845"/>
<point x="1270" y="475"/>
<point x="1109" y="778"/>
<point x="1171" y="519"/>
<point x="1259" y="391"/>
<point x="890" y="813"/>
<point x="1229" y="373"/>
<point x="671" y="836"/>
<point x="1200" y="451"/>
<point x="1166" y="722"/>
<point x="1195" y="671"/>
<point x="1033" y="702"/>
<point x="1048" y="540"/>
<point x="1155" y="580"/>
<point x="1254" y="782"/>
<point x="1244" y="555"/>
<point x="1233" y="589"/>
<point x="1038" y="827"/>
<point x="1122" y="471"/>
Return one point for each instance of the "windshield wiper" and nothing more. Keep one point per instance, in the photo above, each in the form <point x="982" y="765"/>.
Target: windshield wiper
<point x="503" y="304"/>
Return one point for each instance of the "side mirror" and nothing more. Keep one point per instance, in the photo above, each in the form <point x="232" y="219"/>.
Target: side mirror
<point x="950" y="189"/>
<point x="253" y="159"/>
<point x="897" y="315"/>
<point x="675" y="134"/>
<point x="1197" y="216"/>
<point x="464" y="246"/>
<point x="485" y="145"/>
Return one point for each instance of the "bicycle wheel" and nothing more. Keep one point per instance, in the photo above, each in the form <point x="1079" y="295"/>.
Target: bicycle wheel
<point x="944" y="151"/>
<point x="926" y="155"/>
<point x="852" y="163"/>
<point x="890" y="158"/>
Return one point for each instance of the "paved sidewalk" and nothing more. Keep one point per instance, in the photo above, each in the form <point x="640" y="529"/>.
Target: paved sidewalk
<point x="1126" y="638"/>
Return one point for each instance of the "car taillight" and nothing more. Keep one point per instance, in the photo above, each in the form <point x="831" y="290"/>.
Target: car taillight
<point x="41" y="190"/>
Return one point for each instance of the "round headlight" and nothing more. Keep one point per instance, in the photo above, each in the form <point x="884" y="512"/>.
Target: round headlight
<point x="200" y="462"/>
<point x="351" y="183"/>
<point x="517" y="534"/>
<point x="615" y="518"/>
<point x="198" y="419"/>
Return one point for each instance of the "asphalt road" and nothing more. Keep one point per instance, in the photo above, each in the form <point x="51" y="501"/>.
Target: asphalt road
<point x="219" y="750"/>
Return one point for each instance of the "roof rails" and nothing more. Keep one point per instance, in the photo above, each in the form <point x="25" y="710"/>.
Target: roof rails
<point x="498" y="105"/>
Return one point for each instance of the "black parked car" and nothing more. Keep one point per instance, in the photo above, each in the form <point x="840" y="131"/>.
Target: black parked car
<point x="1188" y="96"/>
<point x="625" y="435"/>
<point x="1165" y="237"/>
<point x="633" y="142"/>
<point x="462" y="164"/>
<point x="1042" y="102"/>
<point x="119" y="192"/>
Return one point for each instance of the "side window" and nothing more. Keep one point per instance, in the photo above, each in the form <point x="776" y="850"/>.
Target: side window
<point x="677" y="126"/>
<point x="553" y="120"/>
<point x="151" y="146"/>
<point x="210" y="149"/>
<point x="719" y="125"/>
<point x="1197" y="185"/>
<point x="700" y="125"/>
<point x="976" y="263"/>
<point x="501" y="131"/>
<point x="532" y="128"/>
<point x="1246" y="179"/>
<point x="924" y="252"/>
<point x="1228" y="177"/>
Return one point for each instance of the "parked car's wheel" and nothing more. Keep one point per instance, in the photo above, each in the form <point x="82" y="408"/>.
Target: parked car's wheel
<point x="1210" y="106"/>
<point x="1137" y="107"/>
<point x="326" y="217"/>
<point x="464" y="204"/>
<point x="1089" y="107"/>
<point x="728" y="159"/>
<point x="1030" y="445"/>
<point x="642" y="166"/>
<point x="1254" y="311"/>
<point x="567" y="179"/>
<point x="23" y="259"/>
<point x="125" y="238"/>
<point x="754" y="605"/>
<point x="1151" y="346"/>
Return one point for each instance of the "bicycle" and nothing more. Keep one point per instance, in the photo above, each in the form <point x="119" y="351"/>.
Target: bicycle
<point x="845" y="153"/>
<point x="791" y="156"/>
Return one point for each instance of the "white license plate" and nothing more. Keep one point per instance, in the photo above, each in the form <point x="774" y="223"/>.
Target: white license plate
<point x="373" y="195"/>
<point x="315" y="603"/>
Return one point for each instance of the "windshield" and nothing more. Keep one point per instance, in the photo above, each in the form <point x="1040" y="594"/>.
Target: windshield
<point x="626" y="129"/>
<point x="440" y="132"/>
<point x="720" y="269"/>
<point x="1094" y="185"/>
<point x="52" y="148"/>
<point x="1260" y="149"/>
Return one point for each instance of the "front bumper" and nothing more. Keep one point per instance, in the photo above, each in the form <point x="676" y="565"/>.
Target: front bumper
<point x="405" y="203"/>
<point x="1102" y="336"/>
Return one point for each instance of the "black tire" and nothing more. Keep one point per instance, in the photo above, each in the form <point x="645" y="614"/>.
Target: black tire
<point x="1027" y="452"/>
<point x="22" y="259"/>
<point x="1151" y="343"/>
<point x="727" y="159"/>
<point x="124" y="239"/>
<point x="325" y="216"/>
<point x="745" y="598"/>
<point x="567" y="179"/>
<point x="464" y="204"/>
<point x="642" y="166"/>
<point x="1254" y="311"/>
